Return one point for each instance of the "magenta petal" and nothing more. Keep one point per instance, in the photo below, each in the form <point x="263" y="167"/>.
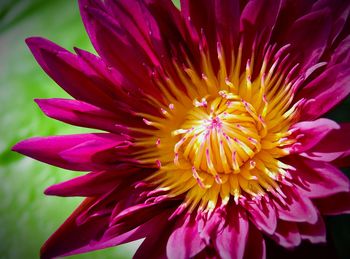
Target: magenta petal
<point x="70" y="236"/>
<point x="263" y="214"/>
<point x="67" y="69"/>
<point x="87" y="152"/>
<point x="312" y="132"/>
<point x="92" y="184"/>
<point x="287" y="234"/>
<point x="341" y="53"/>
<point x="50" y="149"/>
<point x="308" y="37"/>
<point x="334" y="81"/>
<point x="106" y="240"/>
<point x="334" y="147"/>
<point x="258" y="18"/>
<point x="297" y="208"/>
<point x="340" y="11"/>
<point x="335" y="204"/>
<point x="257" y="22"/>
<point x="255" y="247"/>
<point x="184" y="241"/>
<point x="154" y="245"/>
<point x="320" y="179"/>
<point x="315" y="233"/>
<point x="208" y="227"/>
<point x="231" y="241"/>
<point x="79" y="113"/>
<point x="116" y="46"/>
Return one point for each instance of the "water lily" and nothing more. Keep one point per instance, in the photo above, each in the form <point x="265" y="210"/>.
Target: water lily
<point x="211" y="137"/>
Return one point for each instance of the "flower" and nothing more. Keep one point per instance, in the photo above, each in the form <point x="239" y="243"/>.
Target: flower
<point x="212" y="138"/>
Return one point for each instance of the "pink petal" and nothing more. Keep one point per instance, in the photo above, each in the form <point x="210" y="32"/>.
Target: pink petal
<point x="297" y="209"/>
<point x="184" y="241"/>
<point x="208" y="227"/>
<point x="263" y="215"/>
<point x="320" y="179"/>
<point x="231" y="241"/>
<point x="287" y="234"/>
<point x="312" y="132"/>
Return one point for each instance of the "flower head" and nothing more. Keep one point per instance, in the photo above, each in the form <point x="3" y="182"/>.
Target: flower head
<point x="213" y="136"/>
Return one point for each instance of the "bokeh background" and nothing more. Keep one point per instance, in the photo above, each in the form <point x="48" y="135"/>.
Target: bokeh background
<point x="27" y="217"/>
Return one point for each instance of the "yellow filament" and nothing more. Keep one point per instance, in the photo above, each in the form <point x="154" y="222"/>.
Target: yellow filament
<point x="222" y="138"/>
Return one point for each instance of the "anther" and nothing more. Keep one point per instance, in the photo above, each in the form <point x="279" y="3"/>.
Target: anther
<point x="147" y="122"/>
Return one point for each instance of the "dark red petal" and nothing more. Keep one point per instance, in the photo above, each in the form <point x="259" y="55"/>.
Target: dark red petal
<point x="308" y="37"/>
<point x="71" y="236"/>
<point x="255" y="247"/>
<point x="310" y="133"/>
<point x="304" y="250"/>
<point x="154" y="245"/>
<point x="257" y="21"/>
<point x="200" y="14"/>
<point x="335" y="204"/>
<point x="315" y="233"/>
<point x="73" y="152"/>
<point x="92" y="184"/>
<point x="287" y="234"/>
<point x="340" y="11"/>
<point x="130" y="96"/>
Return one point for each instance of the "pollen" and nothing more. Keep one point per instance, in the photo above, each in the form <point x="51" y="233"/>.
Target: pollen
<point x="224" y="137"/>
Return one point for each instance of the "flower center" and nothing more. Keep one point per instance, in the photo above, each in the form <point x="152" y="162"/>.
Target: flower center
<point x="219" y="135"/>
<point x="223" y="137"/>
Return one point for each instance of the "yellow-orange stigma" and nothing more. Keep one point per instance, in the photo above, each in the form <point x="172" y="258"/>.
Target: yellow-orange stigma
<point x="222" y="138"/>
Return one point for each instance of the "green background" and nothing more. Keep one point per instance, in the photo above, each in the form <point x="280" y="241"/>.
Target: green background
<point x="27" y="217"/>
